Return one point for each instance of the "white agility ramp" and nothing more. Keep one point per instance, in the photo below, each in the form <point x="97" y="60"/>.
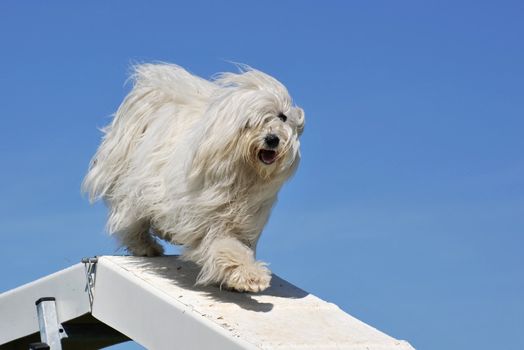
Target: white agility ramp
<point x="154" y="302"/>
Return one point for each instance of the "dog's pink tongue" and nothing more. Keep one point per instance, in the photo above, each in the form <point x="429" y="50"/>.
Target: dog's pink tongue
<point x="268" y="156"/>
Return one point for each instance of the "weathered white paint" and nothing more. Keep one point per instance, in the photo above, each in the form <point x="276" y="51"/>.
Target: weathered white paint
<point x="154" y="302"/>
<point x="282" y="317"/>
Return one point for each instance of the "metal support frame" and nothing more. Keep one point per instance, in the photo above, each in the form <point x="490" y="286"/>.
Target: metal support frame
<point x="51" y="331"/>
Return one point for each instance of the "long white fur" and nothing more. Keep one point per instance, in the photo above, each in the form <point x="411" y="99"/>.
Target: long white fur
<point x="180" y="161"/>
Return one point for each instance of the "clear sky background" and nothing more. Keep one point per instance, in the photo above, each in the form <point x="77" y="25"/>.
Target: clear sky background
<point x="407" y="210"/>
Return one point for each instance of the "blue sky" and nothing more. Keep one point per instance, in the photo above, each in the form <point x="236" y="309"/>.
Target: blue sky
<point x="407" y="210"/>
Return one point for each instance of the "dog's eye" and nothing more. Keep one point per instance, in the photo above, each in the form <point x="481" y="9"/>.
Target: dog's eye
<point x="282" y="117"/>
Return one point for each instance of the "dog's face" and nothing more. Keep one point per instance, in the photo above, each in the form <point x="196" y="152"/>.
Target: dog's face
<point x="270" y="138"/>
<point x="251" y="124"/>
<point x="267" y="125"/>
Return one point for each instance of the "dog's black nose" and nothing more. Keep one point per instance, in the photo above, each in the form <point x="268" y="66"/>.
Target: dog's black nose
<point x="272" y="140"/>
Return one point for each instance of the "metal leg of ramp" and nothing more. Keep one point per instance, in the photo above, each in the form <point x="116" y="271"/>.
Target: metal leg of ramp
<point x="51" y="331"/>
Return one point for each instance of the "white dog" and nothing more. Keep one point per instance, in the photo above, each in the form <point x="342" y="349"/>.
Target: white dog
<point x="198" y="163"/>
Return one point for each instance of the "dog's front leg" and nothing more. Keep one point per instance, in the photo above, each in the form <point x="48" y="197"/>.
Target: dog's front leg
<point x="230" y="263"/>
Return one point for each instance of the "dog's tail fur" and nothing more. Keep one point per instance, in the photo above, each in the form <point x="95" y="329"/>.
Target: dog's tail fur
<point x="154" y="86"/>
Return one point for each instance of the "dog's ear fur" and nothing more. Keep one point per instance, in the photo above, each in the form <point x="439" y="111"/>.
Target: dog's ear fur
<point x="300" y="120"/>
<point x="211" y="162"/>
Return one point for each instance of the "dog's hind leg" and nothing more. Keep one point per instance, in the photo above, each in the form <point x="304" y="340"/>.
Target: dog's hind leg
<point x="138" y="240"/>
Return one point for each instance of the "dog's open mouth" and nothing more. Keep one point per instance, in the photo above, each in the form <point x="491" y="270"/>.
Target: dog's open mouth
<point x="267" y="156"/>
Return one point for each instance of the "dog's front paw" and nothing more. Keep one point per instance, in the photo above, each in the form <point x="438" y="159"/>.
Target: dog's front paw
<point x="248" y="278"/>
